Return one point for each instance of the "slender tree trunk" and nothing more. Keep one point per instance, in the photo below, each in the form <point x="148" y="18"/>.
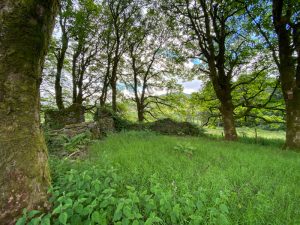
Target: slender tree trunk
<point x="74" y="83"/>
<point x="58" y="92"/>
<point x="25" y="29"/>
<point x="103" y="96"/>
<point x="74" y="73"/>
<point x="60" y="64"/>
<point x="114" y="95"/>
<point x="114" y="72"/>
<point x="113" y="84"/>
<point x="79" y="98"/>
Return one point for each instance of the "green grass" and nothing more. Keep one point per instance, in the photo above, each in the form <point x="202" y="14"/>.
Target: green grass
<point x="247" y="135"/>
<point x="249" y="132"/>
<point x="264" y="182"/>
<point x="141" y="177"/>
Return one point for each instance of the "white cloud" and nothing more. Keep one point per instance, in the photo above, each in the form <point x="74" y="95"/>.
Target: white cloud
<point x="191" y="86"/>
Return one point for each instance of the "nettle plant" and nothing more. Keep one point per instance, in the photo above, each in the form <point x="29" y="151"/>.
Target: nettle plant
<point x="97" y="196"/>
<point x="185" y="148"/>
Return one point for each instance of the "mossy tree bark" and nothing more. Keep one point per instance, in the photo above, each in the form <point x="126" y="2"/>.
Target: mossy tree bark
<point x="25" y="28"/>
<point x="288" y="34"/>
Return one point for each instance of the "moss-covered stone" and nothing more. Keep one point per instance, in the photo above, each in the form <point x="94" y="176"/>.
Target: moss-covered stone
<point x="171" y="127"/>
<point x="57" y="119"/>
<point x="106" y="120"/>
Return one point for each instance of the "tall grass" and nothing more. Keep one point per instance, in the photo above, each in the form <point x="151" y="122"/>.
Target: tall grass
<point x="263" y="181"/>
<point x="143" y="178"/>
<point x="252" y="136"/>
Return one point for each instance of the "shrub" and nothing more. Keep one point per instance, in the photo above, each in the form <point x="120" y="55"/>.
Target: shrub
<point x="171" y="127"/>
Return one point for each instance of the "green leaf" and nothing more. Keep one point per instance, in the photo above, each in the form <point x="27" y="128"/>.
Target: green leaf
<point x="135" y="222"/>
<point x="117" y="215"/>
<point x="223" y="220"/>
<point x="57" y="209"/>
<point x="96" y="217"/>
<point x="118" y="212"/>
<point x="223" y="208"/>
<point x="63" y="218"/>
<point x="78" y="208"/>
<point x="46" y="220"/>
<point x="32" y="213"/>
<point x="34" y="221"/>
<point x="21" y="221"/>
<point x="153" y="220"/>
<point x="127" y="212"/>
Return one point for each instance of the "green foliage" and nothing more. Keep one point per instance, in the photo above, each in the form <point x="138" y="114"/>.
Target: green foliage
<point x="77" y="142"/>
<point x="60" y="143"/>
<point x="135" y="178"/>
<point x="98" y="196"/>
<point x="257" y="103"/>
<point x="186" y="148"/>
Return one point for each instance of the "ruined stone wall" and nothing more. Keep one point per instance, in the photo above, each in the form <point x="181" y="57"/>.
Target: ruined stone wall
<point x="57" y="119"/>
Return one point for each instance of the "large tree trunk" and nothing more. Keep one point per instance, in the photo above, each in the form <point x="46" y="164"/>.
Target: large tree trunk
<point x="289" y="72"/>
<point x="228" y="120"/>
<point x="25" y="28"/>
<point x="291" y="93"/>
<point x="140" y="111"/>
<point x="222" y="88"/>
<point x="293" y="121"/>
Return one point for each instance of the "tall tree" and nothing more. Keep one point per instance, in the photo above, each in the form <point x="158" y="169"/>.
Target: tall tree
<point x="121" y="14"/>
<point x="215" y="29"/>
<point x="84" y="44"/>
<point x="286" y="20"/>
<point x="25" y="29"/>
<point x="146" y="44"/>
<point x="278" y="23"/>
<point x="65" y="10"/>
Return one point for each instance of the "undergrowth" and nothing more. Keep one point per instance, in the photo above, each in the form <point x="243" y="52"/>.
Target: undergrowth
<point x="146" y="178"/>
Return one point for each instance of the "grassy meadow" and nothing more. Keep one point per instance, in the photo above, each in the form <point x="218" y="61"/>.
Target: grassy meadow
<point x="146" y="178"/>
<point x="249" y="132"/>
